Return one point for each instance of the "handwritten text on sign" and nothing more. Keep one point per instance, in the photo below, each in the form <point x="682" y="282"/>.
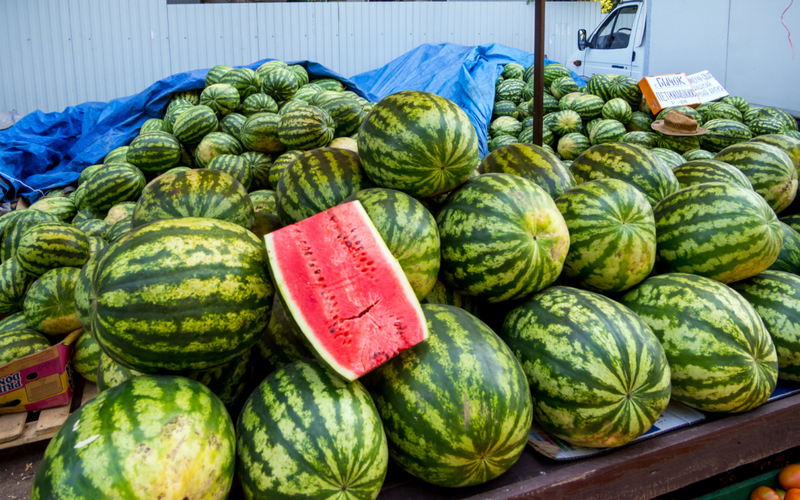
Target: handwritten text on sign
<point x="706" y="86"/>
<point x="665" y="91"/>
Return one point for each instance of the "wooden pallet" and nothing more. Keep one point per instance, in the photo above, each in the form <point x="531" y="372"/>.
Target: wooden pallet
<point x="16" y="431"/>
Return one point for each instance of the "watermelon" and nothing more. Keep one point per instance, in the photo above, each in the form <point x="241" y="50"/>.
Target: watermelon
<point x="513" y="70"/>
<point x="111" y="374"/>
<point x="116" y="155"/>
<point x="300" y="73"/>
<point x="21" y="342"/>
<point x="612" y="235"/>
<point x="281" y="343"/>
<point x="456" y="408"/>
<point x="194" y="124"/>
<point x="722" y="110"/>
<point x="14" y="284"/>
<point x="280" y="84"/>
<point x="668" y="157"/>
<point x="115" y="183"/>
<point x="88" y="214"/>
<point x="228" y="381"/>
<point x="96" y="245"/>
<point x="195" y="193"/>
<point x="174" y="110"/>
<point x="234" y="166"/>
<point x="554" y="71"/>
<point x="14" y="322"/>
<point x="775" y="295"/>
<point x="216" y="73"/>
<point x="193" y="96"/>
<point x="50" y="304"/>
<point x="305" y="128"/>
<point x="502" y="141"/>
<point x="443" y="294"/>
<point x="789" y="258"/>
<point x="259" y="164"/>
<point x="505" y="108"/>
<point x="505" y="125"/>
<point x="200" y="297"/>
<point x="86" y="357"/>
<point x="766" y="125"/>
<point x="509" y="90"/>
<point x="260" y="133"/>
<point x="600" y="85"/>
<point x="91" y="169"/>
<point x="215" y="144"/>
<point x="347" y="143"/>
<point x="119" y="229"/>
<point x="64" y="208"/>
<point x="769" y="169"/>
<point x="270" y="66"/>
<point x="587" y="106"/>
<point x="640" y="122"/>
<point x="306" y="92"/>
<point x="718" y="230"/>
<point x="626" y="162"/>
<point x="698" y="154"/>
<point x="223" y="98"/>
<point x="533" y="163"/>
<point x="50" y="245"/>
<point x="647" y="140"/>
<point x="163" y="432"/>
<point x="264" y="201"/>
<point x="514" y="241"/>
<point x="345" y="113"/>
<point x="619" y="110"/>
<point x="291" y="104"/>
<point x="787" y="144"/>
<point x="232" y="124"/>
<point x="280" y="164"/>
<point x="14" y="224"/>
<point x="721" y="356"/>
<point x="418" y="143"/>
<point x="409" y="231"/>
<point x="562" y="86"/>
<point x="701" y="171"/>
<point x="318" y="180"/>
<point x="93" y="227"/>
<point x="330" y="435"/>
<point x="678" y="144"/>
<point x="723" y="133"/>
<point x="607" y="131"/>
<point x="566" y="122"/>
<point x="352" y="330"/>
<point x="598" y="375"/>
<point x="258" y="103"/>
<point x="740" y="103"/>
<point x="82" y="289"/>
<point x="265" y="223"/>
<point x="119" y="212"/>
<point x="626" y="88"/>
<point x="687" y="110"/>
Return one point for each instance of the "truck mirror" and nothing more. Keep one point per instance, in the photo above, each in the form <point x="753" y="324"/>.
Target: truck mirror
<point x="581" y="39"/>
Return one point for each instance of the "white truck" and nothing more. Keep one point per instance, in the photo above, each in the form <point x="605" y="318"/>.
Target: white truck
<point x="745" y="45"/>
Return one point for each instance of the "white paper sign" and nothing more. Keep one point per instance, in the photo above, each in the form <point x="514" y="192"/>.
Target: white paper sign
<point x="707" y="87"/>
<point x="672" y="90"/>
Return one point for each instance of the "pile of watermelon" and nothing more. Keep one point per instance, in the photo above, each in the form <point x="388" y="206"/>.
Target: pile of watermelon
<point x="281" y="277"/>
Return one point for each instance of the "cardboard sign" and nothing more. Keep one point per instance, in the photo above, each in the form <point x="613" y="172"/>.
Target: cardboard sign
<point x="665" y="91"/>
<point x="40" y="380"/>
<point x="707" y="87"/>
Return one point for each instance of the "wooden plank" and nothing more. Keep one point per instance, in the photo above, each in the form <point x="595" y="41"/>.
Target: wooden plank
<point x="29" y="436"/>
<point x="12" y="425"/>
<point x="89" y="391"/>
<point x="51" y="418"/>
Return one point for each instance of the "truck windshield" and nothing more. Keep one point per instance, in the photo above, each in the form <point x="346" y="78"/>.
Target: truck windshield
<point x="616" y="31"/>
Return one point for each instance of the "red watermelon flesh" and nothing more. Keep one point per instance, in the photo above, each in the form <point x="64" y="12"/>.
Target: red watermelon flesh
<point x="345" y="290"/>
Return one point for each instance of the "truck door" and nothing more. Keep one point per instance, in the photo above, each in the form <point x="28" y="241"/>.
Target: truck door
<point x="610" y="48"/>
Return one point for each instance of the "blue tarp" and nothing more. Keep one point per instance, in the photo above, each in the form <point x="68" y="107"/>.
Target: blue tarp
<point x="44" y="151"/>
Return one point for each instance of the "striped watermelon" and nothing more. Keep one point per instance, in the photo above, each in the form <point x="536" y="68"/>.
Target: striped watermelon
<point x="223" y="98"/>
<point x="155" y="152"/>
<point x="156" y="316"/>
<point x="626" y="88"/>
<point x="456" y="408"/>
<point x="607" y="131"/>
<point x="14" y="224"/>
<point x="647" y="140"/>
<point x="775" y="296"/>
<point x="445" y="295"/>
<point x="562" y="86"/>
<point x="587" y="106"/>
<point x="234" y="166"/>
<point x="291" y="104"/>
<point x="116" y="155"/>
<point x="228" y="381"/>
<point x="505" y="125"/>
<point x="612" y="235"/>
<point x="280" y="84"/>
<point x="205" y="193"/>
<point x="91" y="169"/>
<point x="154" y="125"/>
<point x="317" y="180"/>
<point x="300" y="73"/>
<point x="789" y="258"/>
<point x="281" y="343"/>
<point x="347" y="143"/>
<point x="260" y="165"/>
<point x="21" y="342"/>
<point x="723" y="133"/>
<point x="88" y="214"/>
<point x="678" y="144"/>
<point x="739" y="103"/>
<point x="305" y="128"/>
<point x="14" y="284"/>
<point x="533" y="163"/>
<point x="83" y="287"/>
<point x="598" y="375"/>
<point x="306" y="92"/>
<point x="269" y="66"/>
<point x="619" y="110"/>
<point x="119" y="229"/>
<point x="264" y="201"/>
<point x="346" y="114"/>
<point x="279" y="166"/>
<point x="787" y="144"/>
<point x="64" y="208"/>
<point x="115" y="183"/>
<point x="232" y="124"/>
<point x="600" y="85"/>
<point x="766" y="125"/>
<point x="96" y="244"/>
<point x="330" y="435"/>
<point x="174" y="110"/>
<point x="640" y="122"/>
<point x="514" y="244"/>
<point x="50" y="245"/>
<point x="244" y="80"/>
<point x="669" y="158"/>
<point x="194" y="124"/>
<point x="215" y="144"/>
<point x="701" y="171"/>
<point x="119" y="212"/>
<point x="698" y="154"/>
<point x="627" y="162"/>
<point x="566" y="122"/>
<point x="111" y="374"/>
<point x="721" y="356"/>
<point x="86" y="357"/>
<point x="193" y="96"/>
<point x="260" y="133"/>
<point x="554" y="71"/>
<point x="722" y="110"/>
<point x="509" y="90"/>
<point x="216" y="73"/>
<point x="513" y="70"/>
<point x="409" y="231"/>
<point x="259" y="103"/>
<point x="164" y="433"/>
<point x="716" y="230"/>
<point x="93" y="227"/>
<point x="418" y="143"/>
<point x="769" y="169"/>
<point x="505" y="108"/>
<point x="50" y="304"/>
<point x="14" y="322"/>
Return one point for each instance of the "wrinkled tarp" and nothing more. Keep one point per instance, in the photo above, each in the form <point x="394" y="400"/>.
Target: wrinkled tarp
<point x="465" y="75"/>
<point x="44" y="151"/>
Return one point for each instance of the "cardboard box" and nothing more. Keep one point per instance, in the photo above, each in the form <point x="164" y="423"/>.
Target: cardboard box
<point x="665" y="91"/>
<point x="39" y="381"/>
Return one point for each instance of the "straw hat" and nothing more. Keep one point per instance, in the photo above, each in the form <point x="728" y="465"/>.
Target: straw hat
<point x="677" y="123"/>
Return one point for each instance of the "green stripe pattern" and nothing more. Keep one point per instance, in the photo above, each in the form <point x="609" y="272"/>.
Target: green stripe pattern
<point x="612" y="235"/>
<point x="119" y="212"/>
<point x="14" y="322"/>
<point x="279" y="166"/>
<point x="115" y="183"/>
<point x="775" y="295"/>
<point x="716" y="230"/>
<point x="234" y="166"/>
<point x="14" y="284"/>
<point x="606" y="131"/>
<point x="244" y="80"/>
<point x="409" y="231"/>
<point x="456" y="408"/>
<point x="669" y="158"/>
<point x="20" y="342"/>
<point x="14" y="224"/>
<point x="86" y="357"/>
<point x="533" y="163"/>
<point x="598" y="375"/>
<point x="96" y="245"/>
<point x="50" y="304"/>
<point x="723" y="133"/>
<point x="155" y="152"/>
<point x="88" y="214"/>
<point x="228" y="380"/>
<point x="789" y="258"/>
<point x="260" y="164"/>
<point x="788" y="145"/>
<point x="264" y="201"/>
<point x="259" y="103"/>
<point x="627" y="162"/>
<point x="769" y="169"/>
<point x="698" y="154"/>
<point x="93" y="227"/>
<point x="280" y="344"/>
<point x="223" y="98"/>
<point x="181" y="294"/>
<point x="216" y="73"/>
<point x="260" y="133"/>
<point x="215" y="144"/>
<point x="119" y="229"/>
<point x="50" y="245"/>
<point x="305" y="128"/>
<point x="116" y="155"/>
<point x="722" y="358"/>
<point x="63" y="207"/>
<point x="83" y="287"/>
<point x="280" y="84"/>
<point x="111" y="374"/>
<point x="231" y="124"/>
<point x="346" y="114"/>
<point x="194" y="124"/>
<point x="318" y="180"/>
<point x="418" y="143"/>
<point x="152" y="437"/>
<point x="304" y="432"/>
<point x="502" y="237"/>
<point x="701" y="171"/>
<point x="443" y="294"/>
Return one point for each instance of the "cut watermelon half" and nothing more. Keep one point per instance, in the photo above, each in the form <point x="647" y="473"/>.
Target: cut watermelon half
<point x="344" y="289"/>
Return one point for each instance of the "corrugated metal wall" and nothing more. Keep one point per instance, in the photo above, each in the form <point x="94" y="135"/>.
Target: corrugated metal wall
<point x="58" y="53"/>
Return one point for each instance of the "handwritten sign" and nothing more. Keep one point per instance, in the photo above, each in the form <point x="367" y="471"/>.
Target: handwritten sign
<point x="665" y="91"/>
<point x="706" y="86"/>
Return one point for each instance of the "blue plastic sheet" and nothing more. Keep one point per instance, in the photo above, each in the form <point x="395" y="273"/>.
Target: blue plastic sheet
<point x="44" y="151"/>
<point x="465" y="75"/>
